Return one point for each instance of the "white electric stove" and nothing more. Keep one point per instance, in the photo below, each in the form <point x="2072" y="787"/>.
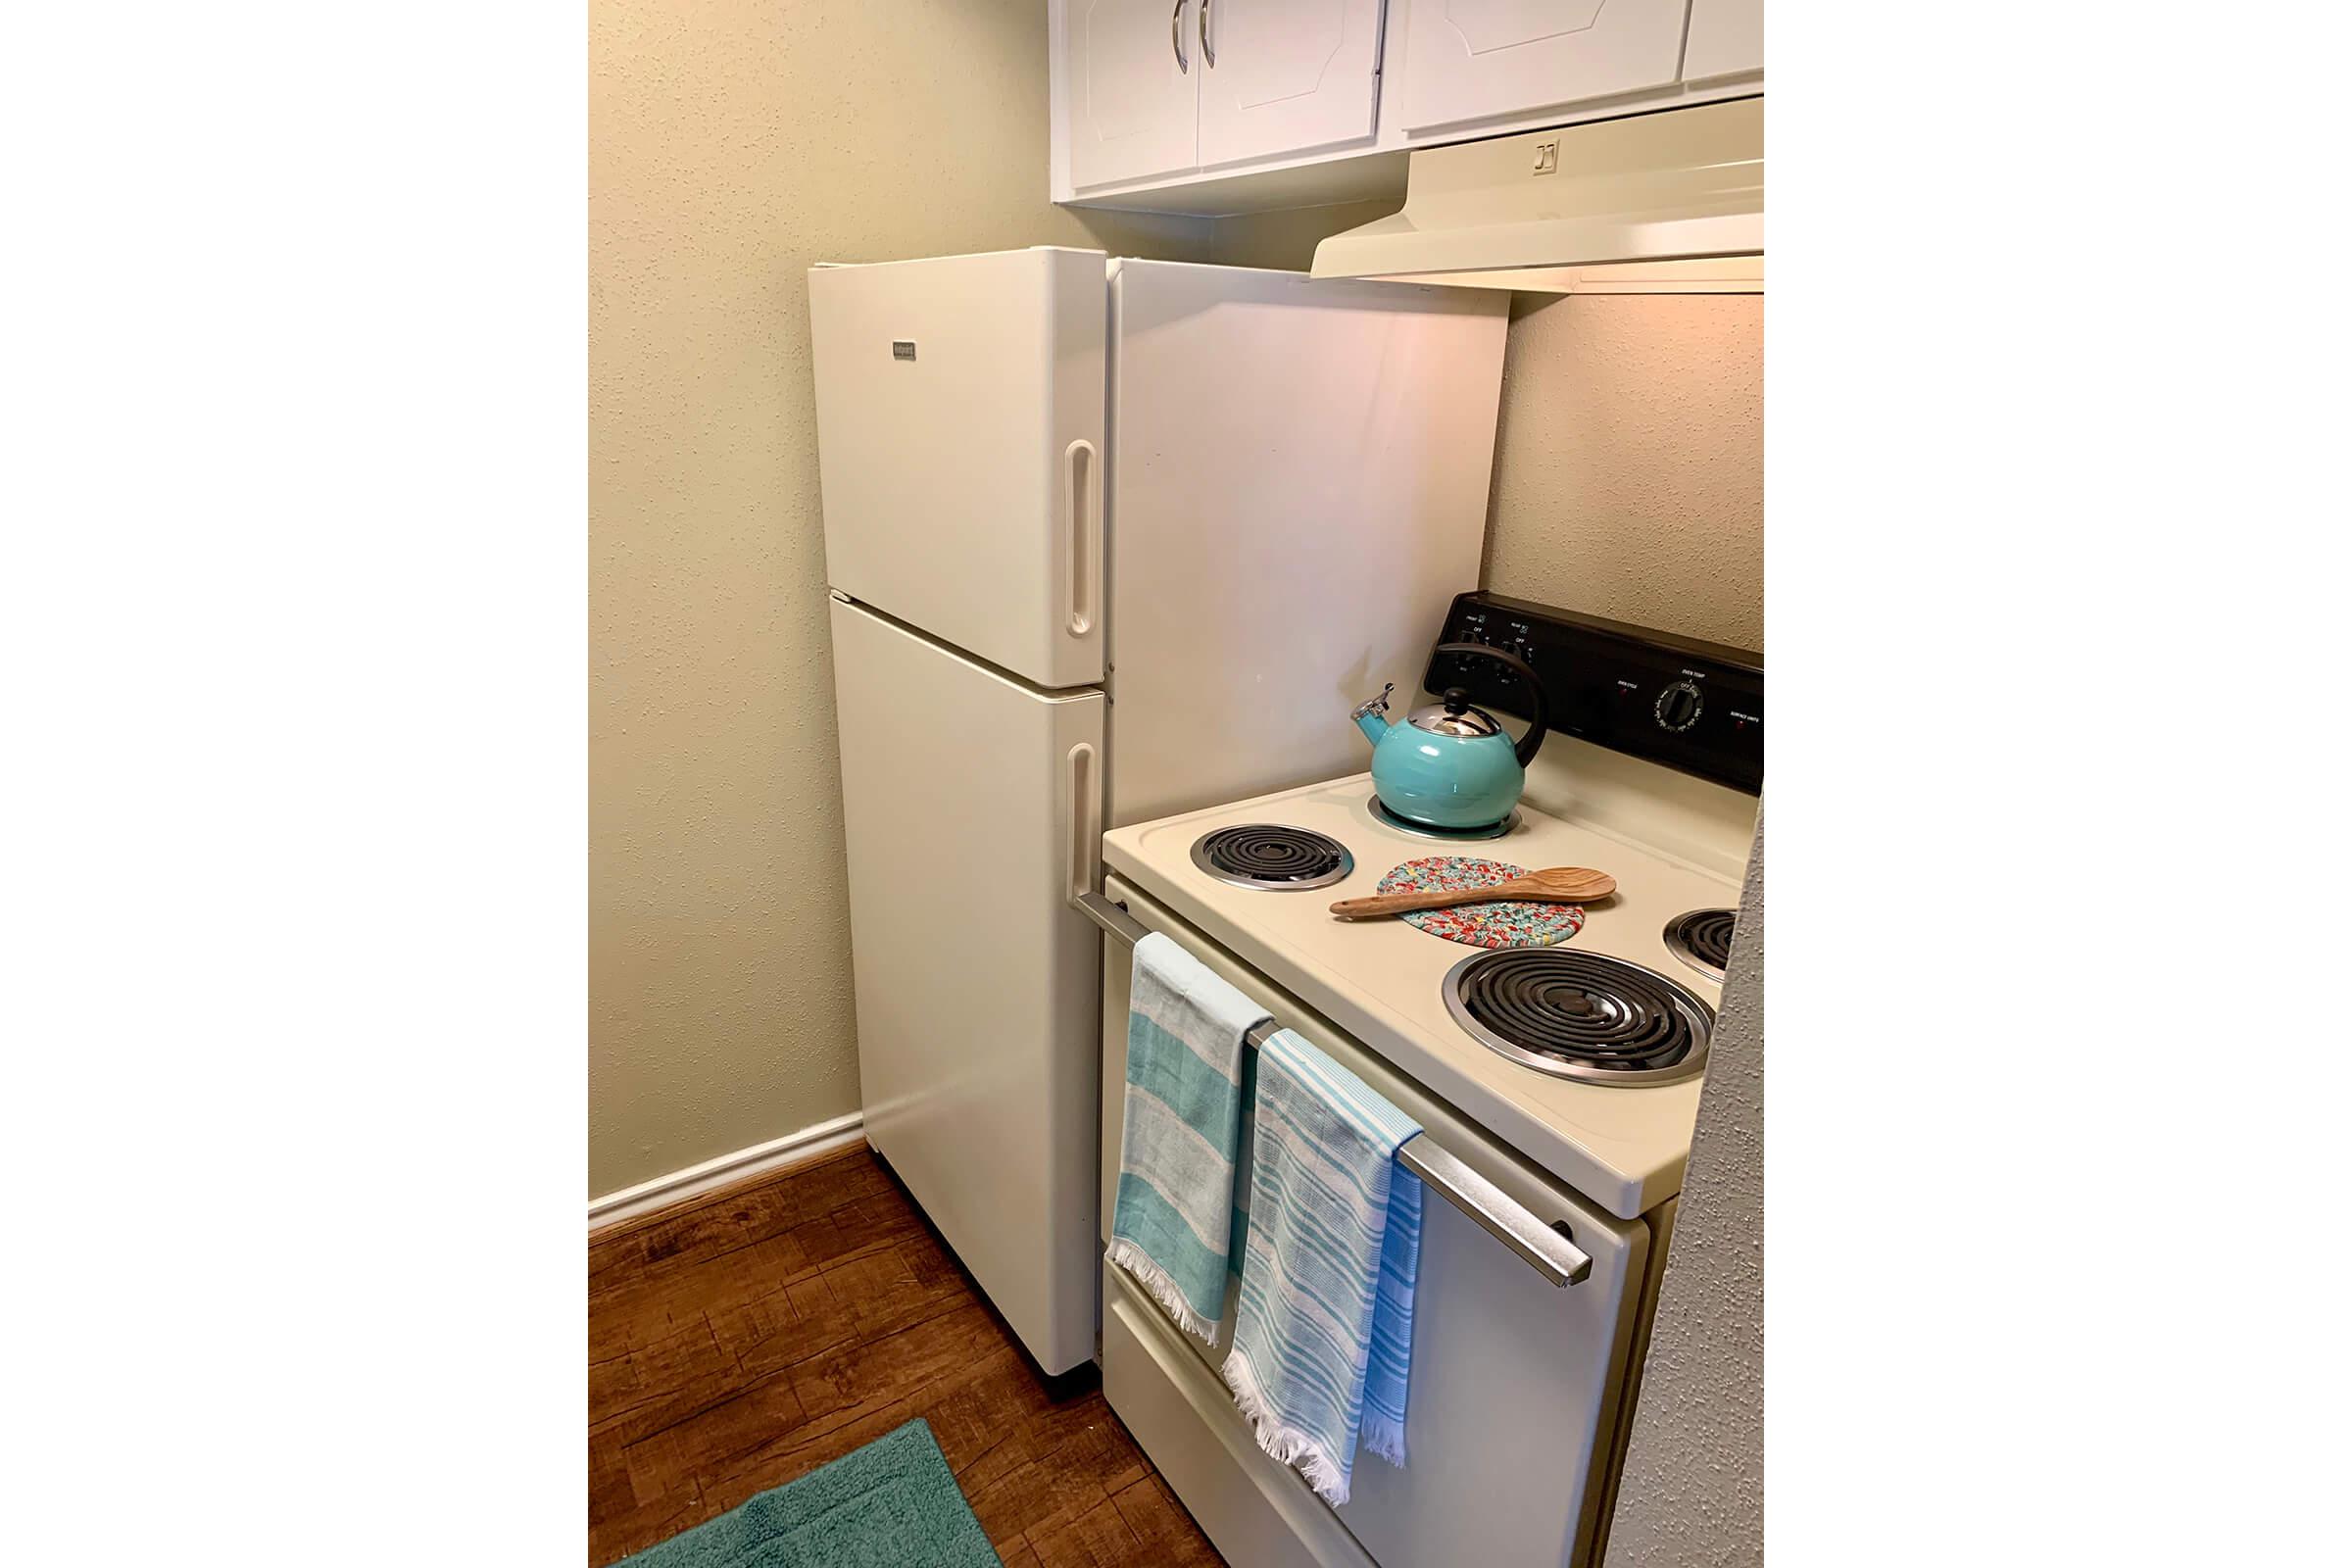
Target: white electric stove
<point x="1384" y="981"/>
<point x="1557" y="1086"/>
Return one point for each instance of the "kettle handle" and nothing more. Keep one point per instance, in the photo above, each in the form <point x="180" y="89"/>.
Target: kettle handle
<point x="1533" y="740"/>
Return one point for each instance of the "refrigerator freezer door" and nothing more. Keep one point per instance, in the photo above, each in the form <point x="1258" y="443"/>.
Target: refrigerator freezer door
<point x="971" y="805"/>
<point x="959" y="442"/>
<point x="1299" y="491"/>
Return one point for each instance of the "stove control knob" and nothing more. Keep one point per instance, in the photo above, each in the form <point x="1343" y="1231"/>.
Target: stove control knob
<point x="1678" y="706"/>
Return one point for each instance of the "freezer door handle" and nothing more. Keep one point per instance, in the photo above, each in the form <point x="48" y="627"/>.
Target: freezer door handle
<point x="1082" y="516"/>
<point x="1086" y="819"/>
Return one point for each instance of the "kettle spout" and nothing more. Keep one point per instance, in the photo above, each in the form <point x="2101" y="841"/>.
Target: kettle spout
<point x="1371" y="715"/>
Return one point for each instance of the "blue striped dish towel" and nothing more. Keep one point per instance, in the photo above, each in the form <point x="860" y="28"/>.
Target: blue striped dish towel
<point x="1323" y="1344"/>
<point x="1173" y="1215"/>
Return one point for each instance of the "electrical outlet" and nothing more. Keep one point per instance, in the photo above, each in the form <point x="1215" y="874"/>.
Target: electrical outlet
<point x="1548" y="156"/>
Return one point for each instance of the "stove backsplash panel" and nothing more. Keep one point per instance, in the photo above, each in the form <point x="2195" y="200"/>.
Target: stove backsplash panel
<point x="1692" y="706"/>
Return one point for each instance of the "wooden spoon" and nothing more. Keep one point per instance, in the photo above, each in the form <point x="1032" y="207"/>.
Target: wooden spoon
<point x="1561" y="884"/>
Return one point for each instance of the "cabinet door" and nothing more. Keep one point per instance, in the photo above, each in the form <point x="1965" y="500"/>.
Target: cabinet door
<point x="1134" y="89"/>
<point x="1726" y="40"/>
<point x="1468" y="60"/>
<point x="1281" y="77"/>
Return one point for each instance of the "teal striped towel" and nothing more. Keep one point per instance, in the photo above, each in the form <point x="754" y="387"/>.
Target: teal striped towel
<point x="1324" y="1341"/>
<point x="1173" y="1217"/>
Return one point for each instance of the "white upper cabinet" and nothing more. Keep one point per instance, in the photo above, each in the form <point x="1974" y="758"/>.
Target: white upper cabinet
<point x="1227" y="106"/>
<point x="1134" y="69"/>
<point x="1468" y="60"/>
<point x="1282" y="77"/>
<point x="1726" y="40"/>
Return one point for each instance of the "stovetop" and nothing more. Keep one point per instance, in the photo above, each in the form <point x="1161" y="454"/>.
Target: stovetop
<point x="1622" y="1144"/>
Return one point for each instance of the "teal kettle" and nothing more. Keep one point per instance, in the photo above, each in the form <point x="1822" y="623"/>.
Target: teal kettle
<point x="1450" y="765"/>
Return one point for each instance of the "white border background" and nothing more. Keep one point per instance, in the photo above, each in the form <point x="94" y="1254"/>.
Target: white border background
<point x="292" y="617"/>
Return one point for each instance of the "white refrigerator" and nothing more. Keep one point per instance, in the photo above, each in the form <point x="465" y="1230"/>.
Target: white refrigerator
<point x="1107" y="540"/>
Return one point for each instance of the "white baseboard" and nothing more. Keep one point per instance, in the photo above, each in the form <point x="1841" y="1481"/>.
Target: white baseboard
<point x="825" y="1138"/>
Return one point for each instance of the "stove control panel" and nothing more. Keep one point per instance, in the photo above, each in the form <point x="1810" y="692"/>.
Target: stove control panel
<point x="1691" y="705"/>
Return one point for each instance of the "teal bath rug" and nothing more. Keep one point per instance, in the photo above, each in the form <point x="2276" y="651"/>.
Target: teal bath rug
<point x="893" y="1504"/>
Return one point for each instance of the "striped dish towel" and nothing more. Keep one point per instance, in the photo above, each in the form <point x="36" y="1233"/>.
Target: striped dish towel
<point x="1324" y="1342"/>
<point x="1173" y="1216"/>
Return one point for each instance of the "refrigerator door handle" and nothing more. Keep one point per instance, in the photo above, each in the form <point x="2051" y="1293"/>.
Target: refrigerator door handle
<point x="1082" y="516"/>
<point x="1086" y="819"/>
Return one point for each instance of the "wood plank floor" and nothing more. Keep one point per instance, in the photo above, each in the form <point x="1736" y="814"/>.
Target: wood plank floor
<point x="743" y="1339"/>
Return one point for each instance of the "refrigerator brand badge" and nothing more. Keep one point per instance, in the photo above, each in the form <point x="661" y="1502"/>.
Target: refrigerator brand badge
<point x="901" y="348"/>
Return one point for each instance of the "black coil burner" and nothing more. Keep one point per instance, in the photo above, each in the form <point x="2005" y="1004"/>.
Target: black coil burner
<point x="1702" y="939"/>
<point x="1265" y="854"/>
<point x="1581" y="1015"/>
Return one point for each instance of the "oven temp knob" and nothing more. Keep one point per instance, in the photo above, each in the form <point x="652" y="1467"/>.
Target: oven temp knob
<point x="1678" y="706"/>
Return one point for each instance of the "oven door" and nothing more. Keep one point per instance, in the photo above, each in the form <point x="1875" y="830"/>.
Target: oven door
<point x="1516" y="1383"/>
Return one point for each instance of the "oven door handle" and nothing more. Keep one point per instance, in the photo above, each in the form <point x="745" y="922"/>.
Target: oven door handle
<point x="1548" y="1250"/>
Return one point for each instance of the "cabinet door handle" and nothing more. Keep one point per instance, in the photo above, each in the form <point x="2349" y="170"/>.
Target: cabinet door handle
<point x="1207" y="52"/>
<point x="1086" y="819"/>
<point x="1176" y="37"/>
<point x="1082" y="517"/>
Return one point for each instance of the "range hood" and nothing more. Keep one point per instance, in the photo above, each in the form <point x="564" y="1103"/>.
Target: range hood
<point x="1665" y="203"/>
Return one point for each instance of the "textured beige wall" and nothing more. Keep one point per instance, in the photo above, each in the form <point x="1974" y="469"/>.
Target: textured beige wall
<point x="731" y="144"/>
<point x="1286" y="240"/>
<point x="1693" y="1485"/>
<point x="1629" y="461"/>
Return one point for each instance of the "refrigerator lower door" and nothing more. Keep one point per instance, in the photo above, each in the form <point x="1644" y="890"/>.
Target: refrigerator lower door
<point x="1299" y="491"/>
<point x="972" y="809"/>
<point x="959" y="444"/>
